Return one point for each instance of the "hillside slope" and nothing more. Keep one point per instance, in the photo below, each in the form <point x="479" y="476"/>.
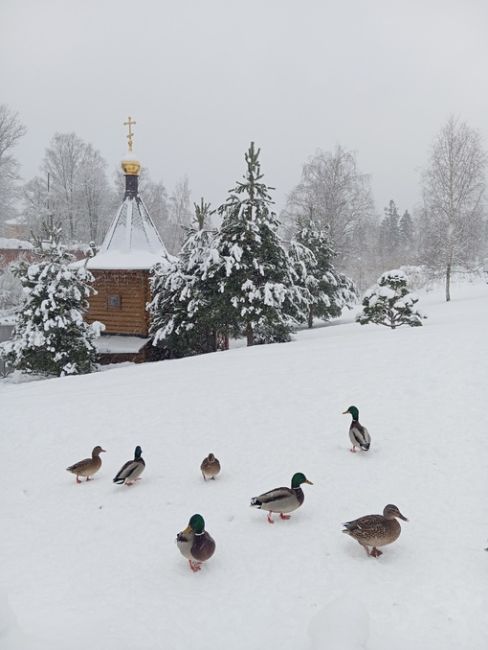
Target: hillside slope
<point x="96" y="565"/>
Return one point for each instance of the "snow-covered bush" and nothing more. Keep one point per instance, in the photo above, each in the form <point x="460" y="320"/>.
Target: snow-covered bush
<point x="50" y="336"/>
<point x="390" y="303"/>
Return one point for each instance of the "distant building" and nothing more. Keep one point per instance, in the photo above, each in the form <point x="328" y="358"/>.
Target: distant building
<point x="131" y="247"/>
<point x="13" y="250"/>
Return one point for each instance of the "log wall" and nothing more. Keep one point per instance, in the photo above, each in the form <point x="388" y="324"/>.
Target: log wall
<point x="132" y="288"/>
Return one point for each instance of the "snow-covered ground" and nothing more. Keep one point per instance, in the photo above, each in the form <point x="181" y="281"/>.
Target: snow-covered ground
<point x="96" y="565"/>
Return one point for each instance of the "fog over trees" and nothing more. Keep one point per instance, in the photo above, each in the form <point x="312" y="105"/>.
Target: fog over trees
<point x="446" y="231"/>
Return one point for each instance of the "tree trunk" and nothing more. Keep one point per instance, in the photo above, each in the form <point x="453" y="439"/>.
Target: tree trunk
<point x="448" y="282"/>
<point x="310" y="318"/>
<point x="249" y="335"/>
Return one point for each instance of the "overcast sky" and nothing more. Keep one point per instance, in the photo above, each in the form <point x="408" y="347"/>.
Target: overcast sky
<point x="203" y="78"/>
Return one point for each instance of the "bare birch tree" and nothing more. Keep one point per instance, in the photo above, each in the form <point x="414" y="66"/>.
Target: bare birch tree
<point x="454" y="185"/>
<point x="76" y="186"/>
<point x="11" y="131"/>
<point x="338" y="196"/>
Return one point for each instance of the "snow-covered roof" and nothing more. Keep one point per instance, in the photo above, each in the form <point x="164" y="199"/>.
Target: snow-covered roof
<point x="12" y="243"/>
<point x="132" y="241"/>
<point x="128" y="260"/>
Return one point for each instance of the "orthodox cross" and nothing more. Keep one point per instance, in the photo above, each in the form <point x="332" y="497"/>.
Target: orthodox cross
<point x="130" y="123"/>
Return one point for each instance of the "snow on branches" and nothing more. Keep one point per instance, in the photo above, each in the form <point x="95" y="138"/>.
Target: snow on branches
<point x="390" y="303"/>
<point x="50" y="336"/>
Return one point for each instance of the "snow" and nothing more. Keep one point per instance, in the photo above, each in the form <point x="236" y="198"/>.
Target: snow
<point x="132" y="260"/>
<point x="96" y="565"/>
<point x="110" y="343"/>
<point x="12" y="243"/>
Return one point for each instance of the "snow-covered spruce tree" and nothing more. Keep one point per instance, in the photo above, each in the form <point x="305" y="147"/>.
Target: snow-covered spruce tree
<point x="185" y="308"/>
<point x="390" y="303"/>
<point x="261" y="300"/>
<point x="328" y="290"/>
<point x="50" y="336"/>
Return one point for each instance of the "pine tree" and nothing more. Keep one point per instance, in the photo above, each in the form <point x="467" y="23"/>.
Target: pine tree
<point x="406" y="231"/>
<point x="390" y="303"/>
<point x="256" y="280"/>
<point x="328" y="290"/>
<point x="390" y="235"/>
<point x="185" y="308"/>
<point x="50" y="336"/>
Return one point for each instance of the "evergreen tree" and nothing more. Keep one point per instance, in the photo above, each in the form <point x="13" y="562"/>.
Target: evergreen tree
<point x="390" y="303"/>
<point x="407" y="232"/>
<point x="329" y="292"/>
<point x="256" y="279"/>
<point x="50" y="336"/>
<point x="186" y="302"/>
<point x="390" y="235"/>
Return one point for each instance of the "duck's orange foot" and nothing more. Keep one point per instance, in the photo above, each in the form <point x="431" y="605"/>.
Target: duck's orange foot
<point x="375" y="552"/>
<point x="283" y="516"/>
<point x="353" y="450"/>
<point x="195" y="566"/>
<point x="270" y="518"/>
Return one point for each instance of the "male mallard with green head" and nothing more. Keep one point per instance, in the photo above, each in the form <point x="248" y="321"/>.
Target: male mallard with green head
<point x="130" y="472"/>
<point x="210" y="467"/>
<point x="283" y="499"/>
<point x="358" y="434"/>
<point x="376" y="530"/>
<point x="88" y="466"/>
<point x="195" y="543"/>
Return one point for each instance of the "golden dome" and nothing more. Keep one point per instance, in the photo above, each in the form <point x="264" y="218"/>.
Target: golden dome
<point x="131" y="167"/>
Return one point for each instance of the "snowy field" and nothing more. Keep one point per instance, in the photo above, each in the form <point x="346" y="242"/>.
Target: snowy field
<point x="96" y="565"/>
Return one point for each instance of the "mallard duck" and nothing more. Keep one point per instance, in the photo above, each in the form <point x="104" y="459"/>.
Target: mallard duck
<point x="376" y="530"/>
<point x="88" y="466"/>
<point x="282" y="499"/>
<point x="358" y="434"/>
<point x="195" y="543"/>
<point x="131" y="470"/>
<point x="210" y="467"/>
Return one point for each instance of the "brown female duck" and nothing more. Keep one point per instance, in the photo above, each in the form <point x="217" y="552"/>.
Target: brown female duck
<point x="376" y="530"/>
<point x="88" y="466"/>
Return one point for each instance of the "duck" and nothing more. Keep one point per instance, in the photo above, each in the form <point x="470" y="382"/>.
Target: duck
<point x="88" y="466"/>
<point x="210" y="467"/>
<point x="376" y="530"/>
<point x="282" y="499"/>
<point x="358" y="434"/>
<point x="130" y="472"/>
<point x="195" y="543"/>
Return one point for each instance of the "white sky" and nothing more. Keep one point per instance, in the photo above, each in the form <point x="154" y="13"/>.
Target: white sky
<point x="203" y="78"/>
